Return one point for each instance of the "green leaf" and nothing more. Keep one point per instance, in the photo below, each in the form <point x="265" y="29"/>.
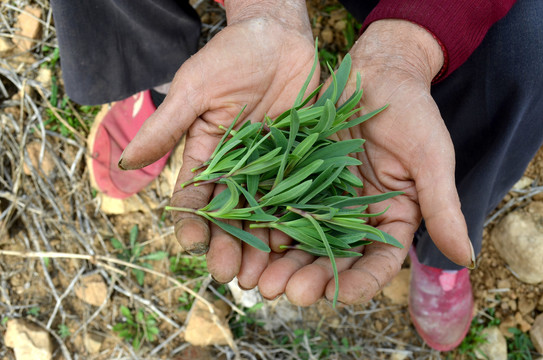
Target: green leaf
<point x="279" y="138"/>
<point x="229" y="145"/>
<point x="133" y="235"/>
<point x="242" y="235"/>
<point x="353" y="122"/>
<point x="126" y="313"/>
<point x="266" y="162"/>
<point x="321" y="182"/>
<point x="293" y="179"/>
<point x="355" y="98"/>
<point x="302" y="149"/>
<point x="226" y="133"/>
<point x="347" y="176"/>
<point x="323" y="252"/>
<point x="299" y="235"/>
<point x="246" y="156"/>
<point x="232" y="201"/>
<point x="117" y="244"/>
<point x="294" y="127"/>
<point x="342" y="202"/>
<point x="300" y="96"/>
<point x="338" y="85"/>
<point x="386" y="238"/>
<point x="140" y="275"/>
<point x="159" y="255"/>
<point x="336" y="149"/>
<point x="288" y="195"/>
<point x="328" y="252"/>
<point x="327" y="118"/>
<point x="119" y="327"/>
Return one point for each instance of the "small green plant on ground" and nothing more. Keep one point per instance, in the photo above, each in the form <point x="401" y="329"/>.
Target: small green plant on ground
<point x="133" y="254"/>
<point x="519" y="347"/>
<point x="64" y="331"/>
<point x="136" y="328"/>
<point x="474" y="339"/>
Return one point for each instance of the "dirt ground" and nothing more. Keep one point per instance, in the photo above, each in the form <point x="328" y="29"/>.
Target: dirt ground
<point x="60" y="268"/>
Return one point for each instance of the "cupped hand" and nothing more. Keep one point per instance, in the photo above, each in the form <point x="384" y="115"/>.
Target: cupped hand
<point x="408" y="149"/>
<point x="260" y="60"/>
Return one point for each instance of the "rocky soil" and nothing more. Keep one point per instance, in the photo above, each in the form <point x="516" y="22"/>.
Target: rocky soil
<point x="64" y="284"/>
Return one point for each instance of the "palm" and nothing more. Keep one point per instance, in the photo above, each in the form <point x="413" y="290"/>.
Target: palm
<point x="259" y="64"/>
<point x="407" y="149"/>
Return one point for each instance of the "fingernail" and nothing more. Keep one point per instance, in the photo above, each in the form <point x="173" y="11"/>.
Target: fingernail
<point x="119" y="164"/>
<point x="242" y="287"/>
<point x="198" y="249"/>
<point x="473" y="263"/>
<point x="217" y="281"/>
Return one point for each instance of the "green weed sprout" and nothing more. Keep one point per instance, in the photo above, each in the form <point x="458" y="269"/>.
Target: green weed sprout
<point x="137" y="328"/>
<point x="132" y="254"/>
<point x="294" y="178"/>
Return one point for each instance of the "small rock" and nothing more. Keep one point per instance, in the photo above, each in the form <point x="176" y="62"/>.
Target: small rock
<point x="526" y="306"/>
<point x="327" y="35"/>
<point x="29" y="27"/>
<point x="518" y="238"/>
<point x="398" y="289"/>
<point x="245" y="298"/>
<point x="509" y="322"/>
<point x="134" y="203"/>
<point x="28" y="341"/>
<point x="340" y="25"/>
<point x="536" y="333"/>
<point x="523" y="183"/>
<point x="44" y="77"/>
<point x="495" y="348"/>
<point x="5" y="45"/>
<point x="522" y="323"/>
<point x="92" y="289"/>
<point x="400" y="354"/>
<point x="504" y="284"/>
<point x="202" y="330"/>
<point x="45" y="166"/>
<point x="93" y="343"/>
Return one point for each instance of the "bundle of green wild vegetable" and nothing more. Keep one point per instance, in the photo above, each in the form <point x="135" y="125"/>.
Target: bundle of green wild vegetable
<point x="286" y="174"/>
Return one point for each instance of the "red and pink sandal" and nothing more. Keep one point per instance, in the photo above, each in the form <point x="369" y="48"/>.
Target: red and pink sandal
<point x="440" y="304"/>
<point x="111" y="131"/>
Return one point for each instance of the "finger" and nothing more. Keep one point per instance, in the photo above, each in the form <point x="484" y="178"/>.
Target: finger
<point x="253" y="261"/>
<point x="273" y="280"/>
<point x="279" y="239"/>
<point x="192" y="231"/>
<point x="224" y="255"/>
<point x="369" y="274"/>
<point x="307" y="285"/>
<point x="163" y="130"/>
<point x="440" y="207"/>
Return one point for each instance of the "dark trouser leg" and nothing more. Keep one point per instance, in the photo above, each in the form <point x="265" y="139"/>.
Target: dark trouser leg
<point x="111" y="49"/>
<point x="493" y="108"/>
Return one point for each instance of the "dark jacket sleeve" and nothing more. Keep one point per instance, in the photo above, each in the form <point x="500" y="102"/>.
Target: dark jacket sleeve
<point x="458" y="25"/>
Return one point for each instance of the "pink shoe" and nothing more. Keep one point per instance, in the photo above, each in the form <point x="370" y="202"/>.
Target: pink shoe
<point x="109" y="135"/>
<point x="440" y="304"/>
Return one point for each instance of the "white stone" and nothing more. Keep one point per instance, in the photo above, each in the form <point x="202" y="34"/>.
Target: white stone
<point x="536" y="333"/>
<point x="204" y="329"/>
<point x="496" y="346"/>
<point x="28" y="341"/>
<point x="518" y="238"/>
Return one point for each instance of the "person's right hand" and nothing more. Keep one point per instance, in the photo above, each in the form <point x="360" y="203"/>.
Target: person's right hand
<point x="261" y="60"/>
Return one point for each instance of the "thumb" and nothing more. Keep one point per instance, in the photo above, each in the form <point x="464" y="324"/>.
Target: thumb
<point x="440" y="207"/>
<point x="163" y="130"/>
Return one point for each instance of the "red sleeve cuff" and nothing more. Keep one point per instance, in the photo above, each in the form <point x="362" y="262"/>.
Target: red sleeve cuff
<point x="459" y="26"/>
<point x="220" y="2"/>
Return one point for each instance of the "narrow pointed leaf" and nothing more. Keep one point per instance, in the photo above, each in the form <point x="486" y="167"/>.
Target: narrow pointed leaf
<point x="242" y="235"/>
